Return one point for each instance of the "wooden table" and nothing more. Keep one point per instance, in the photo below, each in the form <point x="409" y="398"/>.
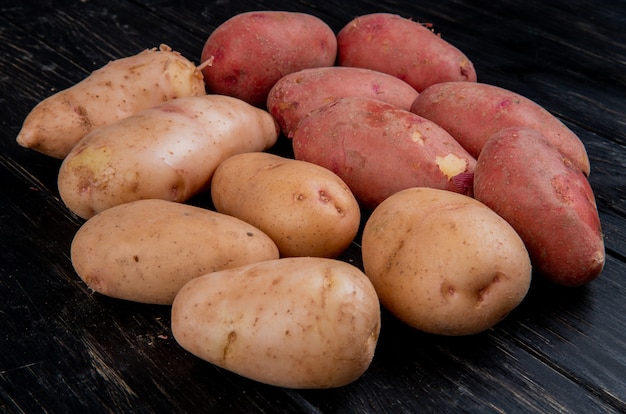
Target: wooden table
<point x="64" y="349"/>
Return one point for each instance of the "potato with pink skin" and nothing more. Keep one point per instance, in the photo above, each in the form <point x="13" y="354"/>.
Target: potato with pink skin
<point x="524" y="178"/>
<point x="473" y="112"/>
<point x="167" y="152"/>
<point x="444" y="263"/>
<point x="379" y="149"/>
<point x="403" y="48"/>
<point x="305" y="208"/>
<point x="115" y="91"/>
<point x="300" y="322"/>
<point x="248" y="53"/>
<point x="298" y="93"/>
<point x="146" y="250"/>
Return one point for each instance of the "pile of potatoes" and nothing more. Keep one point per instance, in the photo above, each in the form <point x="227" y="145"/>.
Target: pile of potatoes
<point x="462" y="191"/>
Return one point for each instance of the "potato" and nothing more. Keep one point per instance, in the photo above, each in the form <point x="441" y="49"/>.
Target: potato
<point x="443" y="262"/>
<point x="301" y="322"/>
<point x="403" y="48"/>
<point x="473" y="112"/>
<point x="115" y="91"/>
<point x="146" y="250"/>
<point x="525" y="179"/>
<point x="168" y="152"/>
<point x="379" y="149"/>
<point x="306" y="209"/>
<point x="298" y="93"/>
<point x="248" y="53"/>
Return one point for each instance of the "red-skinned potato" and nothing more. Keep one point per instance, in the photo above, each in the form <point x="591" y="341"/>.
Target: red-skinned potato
<point x="248" y="53"/>
<point x="525" y="179"/>
<point x="473" y="112"/>
<point x="403" y="48"/>
<point x="168" y="152"/>
<point x="298" y="322"/>
<point x="379" y="149"/>
<point x="298" y="93"/>
<point x="305" y="208"/>
<point x="115" y="91"/>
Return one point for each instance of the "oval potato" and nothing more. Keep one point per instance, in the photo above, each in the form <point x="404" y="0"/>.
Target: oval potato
<point x="168" y="152"/>
<point x="117" y="90"/>
<point x="443" y="262"/>
<point x="297" y="94"/>
<point x="248" y="53"/>
<point x="404" y="48"/>
<point x="473" y="112"/>
<point x="379" y="149"/>
<point x="306" y="209"/>
<point x="146" y="250"/>
<point x="525" y="179"/>
<point x="300" y="322"/>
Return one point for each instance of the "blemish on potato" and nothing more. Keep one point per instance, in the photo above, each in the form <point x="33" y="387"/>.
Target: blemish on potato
<point x="451" y="165"/>
<point x="232" y="337"/>
<point x="417" y="136"/>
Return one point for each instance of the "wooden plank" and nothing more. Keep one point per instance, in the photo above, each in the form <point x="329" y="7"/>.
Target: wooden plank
<point x="65" y="348"/>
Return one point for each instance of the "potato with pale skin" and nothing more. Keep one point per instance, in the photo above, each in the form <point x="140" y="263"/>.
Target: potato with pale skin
<point x="248" y="53"/>
<point x="527" y="181"/>
<point x="295" y="95"/>
<point x="168" y="152"/>
<point x="300" y="322"/>
<point x="443" y="262"/>
<point x="305" y="208"/>
<point x="379" y="149"/>
<point x="146" y="250"/>
<point x="473" y="112"/>
<point x="404" y="48"/>
<point x="115" y="91"/>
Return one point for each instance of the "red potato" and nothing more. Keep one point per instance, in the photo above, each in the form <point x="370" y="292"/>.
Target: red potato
<point x="403" y="48"/>
<point x="473" y="112"/>
<point x="115" y="91"/>
<point x="247" y="54"/>
<point x="525" y="179"/>
<point x="298" y="93"/>
<point x="379" y="149"/>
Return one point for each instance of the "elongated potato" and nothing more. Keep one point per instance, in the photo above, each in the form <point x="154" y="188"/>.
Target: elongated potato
<point x="525" y="179"/>
<point x="301" y="322"/>
<point x="403" y="48"/>
<point x="248" y="53"/>
<point x="115" y="91"/>
<point x="444" y="263"/>
<point x="298" y="93"/>
<point x="146" y="250"/>
<point x="379" y="149"/>
<point x="168" y="152"/>
<point x="305" y="208"/>
<point x="473" y="112"/>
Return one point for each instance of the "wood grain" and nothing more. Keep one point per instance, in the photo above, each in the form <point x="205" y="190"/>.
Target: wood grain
<point x="65" y="349"/>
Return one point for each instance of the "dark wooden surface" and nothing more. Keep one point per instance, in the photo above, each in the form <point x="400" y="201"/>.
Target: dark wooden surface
<point x="64" y="349"/>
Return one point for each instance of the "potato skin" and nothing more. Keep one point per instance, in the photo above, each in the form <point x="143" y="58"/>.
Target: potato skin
<point x="306" y="209"/>
<point x="146" y="250"/>
<point x="298" y="93"/>
<point x="115" y="91"/>
<point x="473" y="112"/>
<point x="300" y="322"/>
<point x="250" y="52"/>
<point x="379" y="149"/>
<point x="525" y="179"/>
<point x="443" y="262"/>
<point x="403" y="48"/>
<point x="168" y="152"/>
